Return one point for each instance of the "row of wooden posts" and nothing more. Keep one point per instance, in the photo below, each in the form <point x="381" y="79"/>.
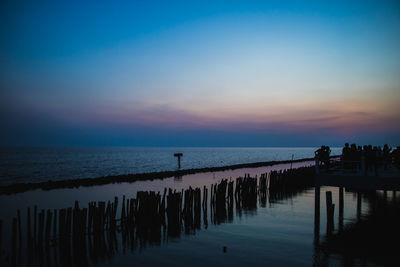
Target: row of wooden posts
<point x="145" y="219"/>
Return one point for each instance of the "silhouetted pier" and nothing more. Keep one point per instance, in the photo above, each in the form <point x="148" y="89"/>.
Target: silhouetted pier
<point x="358" y="178"/>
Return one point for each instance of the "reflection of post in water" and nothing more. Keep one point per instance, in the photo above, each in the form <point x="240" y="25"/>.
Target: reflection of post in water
<point x="316" y="214"/>
<point x="288" y="183"/>
<point x="1" y="237"/>
<point x="262" y="190"/>
<point x="80" y="235"/>
<point x="205" y="196"/>
<point x="178" y="178"/>
<point x="230" y="201"/>
<point x="330" y="211"/>
<point x="173" y="212"/>
<point x="14" y="243"/>
<point x="341" y="208"/>
<point x="358" y="206"/>
<point x="316" y="256"/>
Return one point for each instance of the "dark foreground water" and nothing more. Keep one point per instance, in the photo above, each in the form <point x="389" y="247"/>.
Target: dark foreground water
<point x="20" y="165"/>
<point x="279" y="232"/>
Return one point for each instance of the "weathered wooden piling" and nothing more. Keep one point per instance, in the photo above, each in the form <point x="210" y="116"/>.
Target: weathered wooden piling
<point x="289" y="183"/>
<point x="55" y="226"/>
<point x="62" y="223"/>
<point x="317" y="200"/>
<point x="28" y="226"/>
<point x="330" y="210"/>
<point x="14" y="242"/>
<point x="1" y="235"/>
<point x="41" y="228"/>
<point x="19" y="226"/>
<point x="173" y="212"/>
<point x="341" y="208"/>
<point x="48" y="226"/>
<point x="68" y="222"/>
<point x="34" y="224"/>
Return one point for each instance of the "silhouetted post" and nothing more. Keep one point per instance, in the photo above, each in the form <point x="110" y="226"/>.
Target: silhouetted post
<point x="316" y="166"/>
<point x="55" y="225"/>
<point x="330" y="210"/>
<point x="1" y="234"/>
<point x="48" y="226"/>
<point x="19" y="227"/>
<point x="34" y="224"/>
<point x="28" y="226"/>
<point x="341" y="206"/>
<point x="14" y="242"/>
<point x="316" y="214"/>
<point x="178" y="155"/>
<point x="40" y="228"/>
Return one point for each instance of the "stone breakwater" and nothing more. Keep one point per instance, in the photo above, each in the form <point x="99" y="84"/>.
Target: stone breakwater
<point x="128" y="178"/>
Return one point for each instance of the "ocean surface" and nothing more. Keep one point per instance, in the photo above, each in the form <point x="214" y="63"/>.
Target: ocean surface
<point x="38" y="164"/>
<point x="278" y="232"/>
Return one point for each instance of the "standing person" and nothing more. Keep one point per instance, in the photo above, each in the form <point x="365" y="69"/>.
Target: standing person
<point x="326" y="156"/>
<point x="386" y="155"/>
<point x="345" y="155"/>
<point x="318" y="154"/>
<point x="395" y="157"/>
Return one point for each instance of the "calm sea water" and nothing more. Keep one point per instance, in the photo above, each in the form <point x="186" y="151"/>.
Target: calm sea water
<point x="279" y="233"/>
<point x="59" y="163"/>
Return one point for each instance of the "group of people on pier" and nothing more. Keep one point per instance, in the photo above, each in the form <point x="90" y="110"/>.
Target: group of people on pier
<point x="353" y="156"/>
<point x="373" y="156"/>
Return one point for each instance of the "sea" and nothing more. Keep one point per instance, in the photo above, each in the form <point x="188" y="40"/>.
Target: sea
<point x="286" y="228"/>
<point x="39" y="164"/>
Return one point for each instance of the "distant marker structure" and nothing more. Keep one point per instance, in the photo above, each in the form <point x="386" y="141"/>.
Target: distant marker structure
<point x="178" y="155"/>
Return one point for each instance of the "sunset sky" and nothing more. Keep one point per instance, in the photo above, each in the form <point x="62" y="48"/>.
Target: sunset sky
<point x="217" y="73"/>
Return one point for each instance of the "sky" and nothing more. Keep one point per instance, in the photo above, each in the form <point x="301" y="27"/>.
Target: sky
<point x="199" y="73"/>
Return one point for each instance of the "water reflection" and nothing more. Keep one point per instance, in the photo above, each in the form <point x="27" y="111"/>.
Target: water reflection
<point x="368" y="237"/>
<point x="96" y="233"/>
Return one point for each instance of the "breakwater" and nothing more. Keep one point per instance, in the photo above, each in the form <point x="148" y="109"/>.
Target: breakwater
<point x="74" y="183"/>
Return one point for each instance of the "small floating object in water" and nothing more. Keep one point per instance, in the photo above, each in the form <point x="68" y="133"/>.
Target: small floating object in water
<point x="225" y="248"/>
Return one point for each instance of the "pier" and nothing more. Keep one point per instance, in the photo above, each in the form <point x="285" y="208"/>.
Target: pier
<point x="357" y="178"/>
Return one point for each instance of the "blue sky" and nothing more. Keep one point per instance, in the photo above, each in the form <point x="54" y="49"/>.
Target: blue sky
<point x="207" y="73"/>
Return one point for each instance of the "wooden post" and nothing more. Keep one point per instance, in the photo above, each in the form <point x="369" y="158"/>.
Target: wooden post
<point x="1" y="234"/>
<point x="34" y="223"/>
<point x="28" y="225"/>
<point x="14" y="243"/>
<point x="40" y="229"/>
<point x="316" y="214"/>
<point x="330" y="209"/>
<point x="341" y="208"/>
<point x="19" y="227"/>
<point x="55" y="225"/>
<point x="48" y="225"/>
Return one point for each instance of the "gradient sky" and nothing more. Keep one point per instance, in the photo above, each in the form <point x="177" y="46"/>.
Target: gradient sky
<point x="218" y="73"/>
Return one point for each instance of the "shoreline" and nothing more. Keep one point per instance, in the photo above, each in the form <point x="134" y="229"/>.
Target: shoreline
<point x="129" y="178"/>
